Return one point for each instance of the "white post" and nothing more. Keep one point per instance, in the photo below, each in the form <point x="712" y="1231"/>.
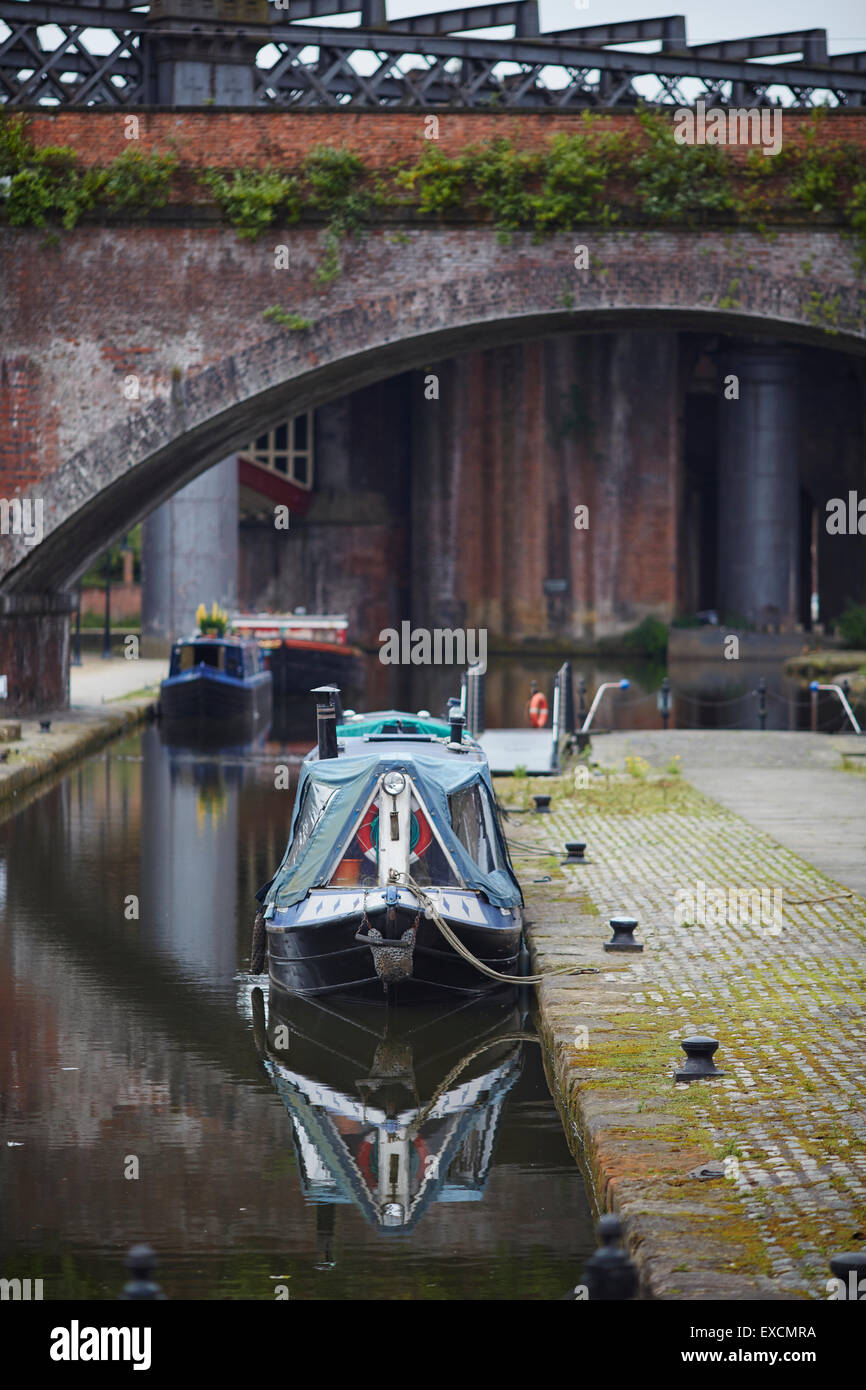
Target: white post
<point x="605" y="685"/>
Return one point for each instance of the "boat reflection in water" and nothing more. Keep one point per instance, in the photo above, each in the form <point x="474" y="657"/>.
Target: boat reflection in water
<point x="392" y="1109"/>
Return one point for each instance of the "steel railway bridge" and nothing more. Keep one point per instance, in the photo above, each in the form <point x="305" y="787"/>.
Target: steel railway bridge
<point x="255" y="53"/>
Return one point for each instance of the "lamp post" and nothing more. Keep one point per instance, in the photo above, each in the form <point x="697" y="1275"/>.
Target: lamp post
<point x="106" y="634"/>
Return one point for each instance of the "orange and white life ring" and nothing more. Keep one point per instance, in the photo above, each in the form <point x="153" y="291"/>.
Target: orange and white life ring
<point x="538" y="710"/>
<point x="420" y="834"/>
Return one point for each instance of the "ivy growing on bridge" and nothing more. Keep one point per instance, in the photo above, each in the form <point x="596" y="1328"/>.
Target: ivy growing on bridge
<point x="43" y="186"/>
<point x="595" y="176"/>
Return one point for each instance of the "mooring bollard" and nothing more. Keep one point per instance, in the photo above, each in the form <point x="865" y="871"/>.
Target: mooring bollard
<point x="699" y="1060"/>
<point x="574" y="852"/>
<point x="623" y="935"/>
<point x="610" y="1274"/>
<point x="141" y="1262"/>
<point x="542" y="804"/>
<point x="45" y="726"/>
<point x="849" y="1270"/>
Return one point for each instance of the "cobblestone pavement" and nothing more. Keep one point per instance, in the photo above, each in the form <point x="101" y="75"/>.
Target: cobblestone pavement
<point x="807" y="802"/>
<point x="787" y="1120"/>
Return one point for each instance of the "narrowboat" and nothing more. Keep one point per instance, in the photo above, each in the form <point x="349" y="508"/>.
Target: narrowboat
<point x="396" y="881"/>
<point x="303" y="650"/>
<point x="218" y="684"/>
<point x="391" y="1110"/>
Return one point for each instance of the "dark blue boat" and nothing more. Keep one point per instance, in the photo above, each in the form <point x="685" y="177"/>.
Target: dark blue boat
<point x="219" y="685"/>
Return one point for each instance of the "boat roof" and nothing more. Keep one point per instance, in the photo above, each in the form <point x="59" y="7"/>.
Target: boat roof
<point x="343" y="785"/>
<point x="230" y="639"/>
<point x="393" y="722"/>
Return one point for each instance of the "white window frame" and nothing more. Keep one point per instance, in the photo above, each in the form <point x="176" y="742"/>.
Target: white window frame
<point x="264" y="458"/>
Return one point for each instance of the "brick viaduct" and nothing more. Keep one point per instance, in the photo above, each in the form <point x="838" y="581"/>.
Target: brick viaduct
<point x="178" y="303"/>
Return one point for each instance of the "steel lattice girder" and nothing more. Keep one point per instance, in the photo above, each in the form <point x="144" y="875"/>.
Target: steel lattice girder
<point x="70" y="74"/>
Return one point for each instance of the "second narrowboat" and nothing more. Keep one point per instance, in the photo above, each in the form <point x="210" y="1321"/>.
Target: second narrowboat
<point x="217" y="685"/>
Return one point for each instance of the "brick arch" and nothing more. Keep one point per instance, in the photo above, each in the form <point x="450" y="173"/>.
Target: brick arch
<point x="181" y="309"/>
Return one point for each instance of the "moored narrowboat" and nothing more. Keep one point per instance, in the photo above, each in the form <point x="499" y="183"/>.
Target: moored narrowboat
<point x="396" y="881"/>
<point x="303" y="650"/>
<point x="219" y="684"/>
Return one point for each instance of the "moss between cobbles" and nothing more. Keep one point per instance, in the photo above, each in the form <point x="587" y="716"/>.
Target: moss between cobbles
<point x="630" y="1056"/>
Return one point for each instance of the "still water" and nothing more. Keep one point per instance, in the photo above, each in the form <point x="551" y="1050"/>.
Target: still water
<point x="265" y="1147"/>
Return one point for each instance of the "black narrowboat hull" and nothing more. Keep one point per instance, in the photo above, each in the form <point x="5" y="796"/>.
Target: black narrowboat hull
<point x="296" y="669"/>
<point x="328" y="958"/>
<point x="218" y="706"/>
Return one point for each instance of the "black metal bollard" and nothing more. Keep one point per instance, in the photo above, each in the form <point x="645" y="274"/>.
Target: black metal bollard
<point x="542" y="804"/>
<point x="610" y="1274"/>
<point x="850" y="1269"/>
<point x="699" y="1062"/>
<point x="45" y="726"/>
<point x="574" y="852"/>
<point x="623" y="935"/>
<point x="762" y="702"/>
<point x="663" y="700"/>
<point x="141" y="1262"/>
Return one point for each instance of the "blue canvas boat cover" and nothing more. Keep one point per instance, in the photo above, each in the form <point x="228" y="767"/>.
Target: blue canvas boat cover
<point x="332" y="794"/>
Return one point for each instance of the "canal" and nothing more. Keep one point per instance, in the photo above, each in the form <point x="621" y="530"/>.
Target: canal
<point x="266" y="1148"/>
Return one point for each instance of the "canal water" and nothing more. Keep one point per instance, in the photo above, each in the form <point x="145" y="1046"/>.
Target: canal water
<point x="266" y="1148"/>
<point x="705" y="694"/>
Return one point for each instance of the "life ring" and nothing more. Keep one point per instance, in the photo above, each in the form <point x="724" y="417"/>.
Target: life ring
<point x="538" y="710"/>
<point x="420" y="834"/>
<point x="368" y="1152"/>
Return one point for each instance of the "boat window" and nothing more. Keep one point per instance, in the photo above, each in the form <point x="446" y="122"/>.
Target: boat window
<point x="427" y="862"/>
<point x="474" y="823"/>
<point x="191" y="654"/>
<point x="316" y="798"/>
<point x="234" y="663"/>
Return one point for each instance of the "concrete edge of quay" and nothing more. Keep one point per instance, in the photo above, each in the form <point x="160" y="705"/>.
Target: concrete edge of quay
<point x="73" y="734"/>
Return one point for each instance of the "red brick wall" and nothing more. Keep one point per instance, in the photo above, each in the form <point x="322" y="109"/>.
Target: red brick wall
<point x="380" y="137"/>
<point x="519" y="437"/>
<point x="20" y="422"/>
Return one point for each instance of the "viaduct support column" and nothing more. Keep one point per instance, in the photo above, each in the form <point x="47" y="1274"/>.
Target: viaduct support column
<point x="190" y="544"/>
<point x="759" y="496"/>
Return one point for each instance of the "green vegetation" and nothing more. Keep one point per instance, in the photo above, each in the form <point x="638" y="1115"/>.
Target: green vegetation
<point x="649" y="638"/>
<point x="43" y="186"/>
<point x="275" y="313"/>
<point x="593" y="176"/>
<point x="252" y="199"/>
<point x="340" y="186"/>
<point x="851" y="626"/>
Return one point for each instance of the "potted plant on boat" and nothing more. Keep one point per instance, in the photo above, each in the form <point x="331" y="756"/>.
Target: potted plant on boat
<point x="212" y="624"/>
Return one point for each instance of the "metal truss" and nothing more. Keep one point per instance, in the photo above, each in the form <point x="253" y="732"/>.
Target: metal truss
<point x="108" y="54"/>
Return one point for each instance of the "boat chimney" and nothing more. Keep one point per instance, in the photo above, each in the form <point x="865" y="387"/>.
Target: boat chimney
<point x="327" y="706"/>
<point x="457" y="721"/>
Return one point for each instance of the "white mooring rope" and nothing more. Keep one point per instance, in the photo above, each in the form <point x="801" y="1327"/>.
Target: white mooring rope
<point x="430" y="910"/>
